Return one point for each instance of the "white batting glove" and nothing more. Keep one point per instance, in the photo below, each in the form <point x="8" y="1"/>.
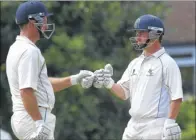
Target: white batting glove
<point x="98" y="81"/>
<point x="171" y="130"/>
<point x="87" y="82"/>
<point x="108" y="81"/>
<point x="42" y="132"/>
<point x="77" y="79"/>
<point x="103" y="77"/>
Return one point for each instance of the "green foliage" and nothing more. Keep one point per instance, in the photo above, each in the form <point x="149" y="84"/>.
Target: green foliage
<point x="186" y="119"/>
<point x="88" y="35"/>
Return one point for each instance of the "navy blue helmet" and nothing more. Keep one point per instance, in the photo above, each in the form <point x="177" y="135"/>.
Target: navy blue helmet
<point x="151" y="24"/>
<point x="35" y="10"/>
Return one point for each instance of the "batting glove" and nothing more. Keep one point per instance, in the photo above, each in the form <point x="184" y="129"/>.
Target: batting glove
<point x="98" y="81"/>
<point x="85" y="78"/>
<point x="42" y="132"/>
<point x="87" y="82"/>
<point x="103" y="77"/>
<point x="171" y="130"/>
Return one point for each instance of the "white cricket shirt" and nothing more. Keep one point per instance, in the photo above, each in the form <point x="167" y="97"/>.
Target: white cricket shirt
<point x="151" y="82"/>
<point x="26" y="68"/>
<point x="4" y="135"/>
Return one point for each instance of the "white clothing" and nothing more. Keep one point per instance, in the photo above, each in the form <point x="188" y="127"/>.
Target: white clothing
<point x="5" y="135"/>
<point x="151" y="82"/>
<point x="23" y="125"/>
<point x="148" y="129"/>
<point x="26" y="68"/>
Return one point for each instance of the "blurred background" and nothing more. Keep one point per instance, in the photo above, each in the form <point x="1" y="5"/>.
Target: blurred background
<point x="90" y="34"/>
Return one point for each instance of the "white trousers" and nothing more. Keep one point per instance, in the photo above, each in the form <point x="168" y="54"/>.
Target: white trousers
<point x="144" y="129"/>
<point x="23" y="125"/>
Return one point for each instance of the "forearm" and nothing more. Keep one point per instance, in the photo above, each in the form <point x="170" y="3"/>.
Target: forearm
<point x="59" y="84"/>
<point x="30" y="103"/>
<point x="174" y="108"/>
<point x="118" y="91"/>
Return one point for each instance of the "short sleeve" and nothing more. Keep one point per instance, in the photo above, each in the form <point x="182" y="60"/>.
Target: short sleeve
<point x="28" y="69"/>
<point x="124" y="82"/>
<point x="174" y="81"/>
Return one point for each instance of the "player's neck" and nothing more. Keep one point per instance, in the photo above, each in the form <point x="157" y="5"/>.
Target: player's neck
<point x="152" y="49"/>
<point x="27" y="35"/>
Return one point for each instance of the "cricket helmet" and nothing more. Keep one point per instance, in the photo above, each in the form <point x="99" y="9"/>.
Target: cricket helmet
<point x="151" y="24"/>
<point x="35" y="10"/>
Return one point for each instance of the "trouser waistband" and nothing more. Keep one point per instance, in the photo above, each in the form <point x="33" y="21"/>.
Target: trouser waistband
<point x="143" y="120"/>
<point x="41" y="108"/>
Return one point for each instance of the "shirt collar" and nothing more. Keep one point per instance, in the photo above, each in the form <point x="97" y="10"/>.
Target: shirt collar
<point x="24" y="38"/>
<point x="156" y="54"/>
<point x="159" y="52"/>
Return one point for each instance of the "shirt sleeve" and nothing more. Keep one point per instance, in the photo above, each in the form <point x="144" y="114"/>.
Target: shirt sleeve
<point x="28" y="69"/>
<point x="124" y="83"/>
<point x="174" y="81"/>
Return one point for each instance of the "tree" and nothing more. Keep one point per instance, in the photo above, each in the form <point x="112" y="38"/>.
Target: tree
<point x="88" y="35"/>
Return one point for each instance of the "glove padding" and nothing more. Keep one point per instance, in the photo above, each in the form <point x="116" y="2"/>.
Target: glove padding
<point x="87" y="82"/>
<point x="42" y="132"/>
<point x="171" y="130"/>
<point x="76" y="79"/>
<point x="103" y="77"/>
